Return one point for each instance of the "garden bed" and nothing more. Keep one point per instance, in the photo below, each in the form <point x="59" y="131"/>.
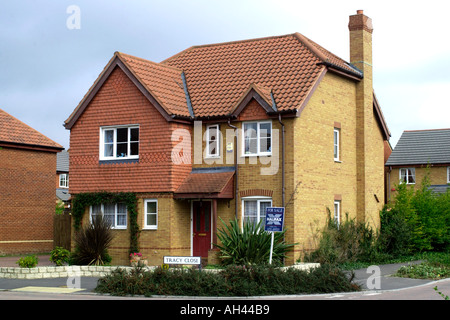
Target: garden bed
<point x="92" y="271"/>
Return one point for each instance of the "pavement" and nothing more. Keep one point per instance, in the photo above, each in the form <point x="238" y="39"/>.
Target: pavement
<point x="375" y="279"/>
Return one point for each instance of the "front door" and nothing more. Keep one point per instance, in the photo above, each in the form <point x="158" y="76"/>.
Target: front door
<point x="201" y="226"/>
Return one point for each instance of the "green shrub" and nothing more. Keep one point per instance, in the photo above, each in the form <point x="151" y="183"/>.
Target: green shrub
<point x="92" y="243"/>
<point x="250" y="244"/>
<point x="255" y="280"/>
<point x="420" y="220"/>
<point x="347" y="242"/>
<point x="28" y="261"/>
<point x="60" y="256"/>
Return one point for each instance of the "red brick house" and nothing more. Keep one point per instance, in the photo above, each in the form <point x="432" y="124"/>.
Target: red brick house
<point x="227" y="130"/>
<point x="27" y="187"/>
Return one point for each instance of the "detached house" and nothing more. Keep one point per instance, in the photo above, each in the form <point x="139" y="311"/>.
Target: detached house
<point x="224" y="131"/>
<point x="27" y="187"/>
<point x="416" y="153"/>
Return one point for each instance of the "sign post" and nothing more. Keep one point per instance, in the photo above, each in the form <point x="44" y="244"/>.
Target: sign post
<point x="274" y="223"/>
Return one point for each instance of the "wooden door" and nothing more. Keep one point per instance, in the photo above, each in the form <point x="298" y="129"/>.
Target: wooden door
<point x="201" y="226"/>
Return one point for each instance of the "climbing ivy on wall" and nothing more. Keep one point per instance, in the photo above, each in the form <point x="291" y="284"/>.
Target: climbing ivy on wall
<point x="84" y="200"/>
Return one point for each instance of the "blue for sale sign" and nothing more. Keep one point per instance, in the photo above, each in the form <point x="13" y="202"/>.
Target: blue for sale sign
<point x="274" y="219"/>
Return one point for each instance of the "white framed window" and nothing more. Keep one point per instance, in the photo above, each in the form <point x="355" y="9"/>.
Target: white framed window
<point x="337" y="211"/>
<point x="151" y="214"/>
<point x="257" y="138"/>
<point x="408" y="175"/>
<point x="118" y="143"/>
<point x="448" y="174"/>
<point x="254" y="209"/>
<point x="336" y="144"/>
<point x="63" y="180"/>
<point x="114" y="213"/>
<point x="213" y="141"/>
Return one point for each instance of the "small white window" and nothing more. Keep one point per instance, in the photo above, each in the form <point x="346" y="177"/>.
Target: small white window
<point x="337" y="212"/>
<point x="336" y="144"/>
<point x="151" y="214"/>
<point x="213" y="141"/>
<point x="408" y="175"/>
<point x="118" y="143"/>
<point x="254" y="209"/>
<point x="257" y="138"/>
<point x="448" y="174"/>
<point x="114" y="213"/>
<point x="63" y="180"/>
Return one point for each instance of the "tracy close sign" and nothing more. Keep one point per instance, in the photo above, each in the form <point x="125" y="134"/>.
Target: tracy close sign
<point x="182" y="260"/>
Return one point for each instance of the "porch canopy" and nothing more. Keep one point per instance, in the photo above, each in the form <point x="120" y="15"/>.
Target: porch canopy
<point x="207" y="183"/>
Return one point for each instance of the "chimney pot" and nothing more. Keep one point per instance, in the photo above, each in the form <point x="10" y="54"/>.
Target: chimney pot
<point x="360" y="11"/>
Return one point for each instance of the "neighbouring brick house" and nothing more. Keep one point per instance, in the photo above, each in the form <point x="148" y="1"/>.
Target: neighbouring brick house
<point x="416" y="153"/>
<point x="225" y="130"/>
<point x="62" y="179"/>
<point x="27" y="187"/>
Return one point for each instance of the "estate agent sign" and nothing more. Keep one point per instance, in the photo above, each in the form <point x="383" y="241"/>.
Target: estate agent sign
<point x="274" y="223"/>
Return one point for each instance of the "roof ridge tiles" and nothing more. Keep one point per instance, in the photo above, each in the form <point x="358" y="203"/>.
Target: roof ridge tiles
<point x="216" y="44"/>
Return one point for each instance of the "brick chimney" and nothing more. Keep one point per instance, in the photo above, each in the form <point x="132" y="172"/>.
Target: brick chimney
<point x="360" y="27"/>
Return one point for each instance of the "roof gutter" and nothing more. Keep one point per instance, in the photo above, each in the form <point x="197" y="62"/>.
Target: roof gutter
<point x="236" y="185"/>
<point x="357" y="75"/>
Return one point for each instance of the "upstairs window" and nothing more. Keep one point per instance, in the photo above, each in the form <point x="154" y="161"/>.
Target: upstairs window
<point x="119" y="143"/>
<point x="448" y="174"/>
<point x="336" y="144"/>
<point x="408" y="175"/>
<point x="257" y="138"/>
<point x="63" y="180"/>
<point x="213" y="141"/>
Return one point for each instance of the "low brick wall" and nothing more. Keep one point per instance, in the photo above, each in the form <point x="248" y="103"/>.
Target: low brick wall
<point x="57" y="272"/>
<point x="90" y="271"/>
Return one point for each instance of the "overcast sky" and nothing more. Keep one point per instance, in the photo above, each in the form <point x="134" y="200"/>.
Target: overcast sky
<point x="46" y="67"/>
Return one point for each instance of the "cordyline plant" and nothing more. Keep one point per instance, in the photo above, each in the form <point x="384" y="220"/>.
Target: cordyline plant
<point x="250" y="244"/>
<point x="92" y="243"/>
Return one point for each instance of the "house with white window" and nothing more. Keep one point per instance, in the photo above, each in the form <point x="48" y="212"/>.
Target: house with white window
<point x="62" y="178"/>
<point x="418" y="153"/>
<point x="224" y="131"/>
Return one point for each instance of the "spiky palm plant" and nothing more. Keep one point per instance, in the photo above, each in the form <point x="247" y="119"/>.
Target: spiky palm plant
<point x="249" y="244"/>
<point x="92" y="243"/>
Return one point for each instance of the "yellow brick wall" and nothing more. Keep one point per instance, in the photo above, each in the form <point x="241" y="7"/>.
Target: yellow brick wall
<point x="320" y="177"/>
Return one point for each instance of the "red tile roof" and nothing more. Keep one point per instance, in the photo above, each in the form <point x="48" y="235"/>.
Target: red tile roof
<point x="211" y="80"/>
<point x="287" y="66"/>
<point x="163" y="82"/>
<point x="205" y="182"/>
<point x="14" y="131"/>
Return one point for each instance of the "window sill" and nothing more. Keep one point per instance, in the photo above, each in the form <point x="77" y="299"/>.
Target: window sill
<point x="149" y="229"/>
<point x="119" y="161"/>
<point x="337" y="161"/>
<point x="255" y="155"/>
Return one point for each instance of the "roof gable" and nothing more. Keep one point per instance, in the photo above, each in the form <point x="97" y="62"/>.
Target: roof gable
<point x="161" y="85"/>
<point x="15" y="132"/>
